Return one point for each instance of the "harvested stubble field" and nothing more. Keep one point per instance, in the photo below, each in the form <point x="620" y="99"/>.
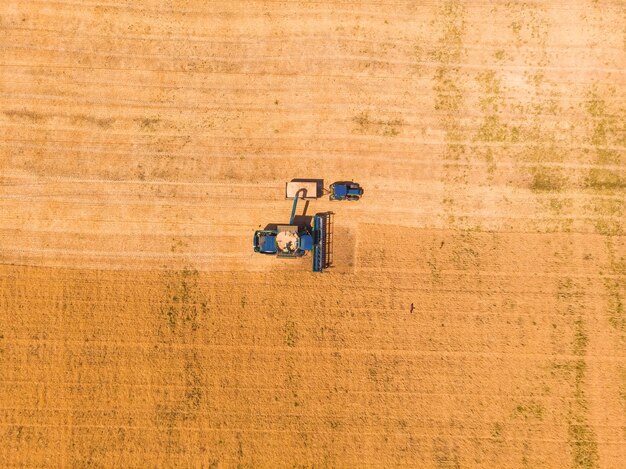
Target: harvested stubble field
<point x="142" y="143"/>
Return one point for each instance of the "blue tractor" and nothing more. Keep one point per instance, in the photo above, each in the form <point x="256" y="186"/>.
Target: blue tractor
<point x="345" y="190"/>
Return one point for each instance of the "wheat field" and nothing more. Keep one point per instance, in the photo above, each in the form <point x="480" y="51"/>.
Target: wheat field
<point x="474" y="314"/>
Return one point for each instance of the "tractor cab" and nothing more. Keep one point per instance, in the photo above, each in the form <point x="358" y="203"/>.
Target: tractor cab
<point x="345" y="190"/>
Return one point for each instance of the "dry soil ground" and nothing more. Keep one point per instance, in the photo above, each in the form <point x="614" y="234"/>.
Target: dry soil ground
<point x="141" y="143"/>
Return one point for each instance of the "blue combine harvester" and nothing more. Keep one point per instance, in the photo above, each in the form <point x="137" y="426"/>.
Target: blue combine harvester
<point x="293" y="241"/>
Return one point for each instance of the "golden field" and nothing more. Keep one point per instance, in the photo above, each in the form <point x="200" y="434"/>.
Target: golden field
<point x="142" y="143"/>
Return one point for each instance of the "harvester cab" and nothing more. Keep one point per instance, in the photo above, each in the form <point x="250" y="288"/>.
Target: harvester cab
<point x="345" y="190"/>
<point x="293" y="241"/>
<point x="265" y="241"/>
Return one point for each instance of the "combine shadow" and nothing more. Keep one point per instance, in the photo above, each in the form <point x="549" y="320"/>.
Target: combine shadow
<point x="302" y="221"/>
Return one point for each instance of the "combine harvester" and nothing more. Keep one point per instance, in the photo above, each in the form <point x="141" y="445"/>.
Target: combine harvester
<point x="293" y="240"/>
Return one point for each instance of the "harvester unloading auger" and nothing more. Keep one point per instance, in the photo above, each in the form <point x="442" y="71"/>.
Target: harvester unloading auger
<point x="296" y="239"/>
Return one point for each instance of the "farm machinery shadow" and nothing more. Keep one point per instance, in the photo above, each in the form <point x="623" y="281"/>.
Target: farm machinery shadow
<point x="301" y="221"/>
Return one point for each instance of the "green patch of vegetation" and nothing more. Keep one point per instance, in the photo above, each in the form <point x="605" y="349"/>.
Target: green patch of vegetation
<point x="492" y="130"/>
<point x="171" y="317"/>
<point x="435" y="271"/>
<point x="617" y="265"/>
<point x="489" y="156"/>
<point x="464" y="256"/>
<point x="499" y="55"/>
<point x="595" y="105"/>
<point x="445" y="454"/>
<point x="623" y="392"/>
<point x="497" y="432"/>
<point x="292" y="380"/>
<point x="514" y="134"/>
<point x="390" y="131"/>
<point x="362" y="120"/>
<point x="609" y="207"/>
<point x="178" y="245"/>
<point x="607" y="227"/>
<point x="530" y="409"/>
<point x="451" y="41"/>
<point x="537" y="79"/>
<point x="454" y="151"/>
<point x="605" y="156"/>
<point x="581" y="439"/>
<point x="608" y="215"/>
<point x="185" y="306"/>
<point x="525" y="453"/>
<point x="149" y="124"/>
<point x="584" y="445"/>
<point x="183" y="310"/>
<point x="556" y="205"/>
<point x="384" y="127"/>
<point x="615" y="306"/>
<point x="516" y="27"/>
<point x="599" y="135"/>
<point x="567" y="289"/>
<point x="490" y="83"/>
<point x="546" y="180"/>
<point x="565" y="368"/>
<point x="291" y="333"/>
<point x="580" y="338"/>
<point x="490" y="160"/>
<point x="539" y="152"/>
<point x="32" y="116"/>
<point x="193" y="382"/>
<point x="448" y="93"/>
<point x="606" y="132"/>
<point x="605" y="180"/>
